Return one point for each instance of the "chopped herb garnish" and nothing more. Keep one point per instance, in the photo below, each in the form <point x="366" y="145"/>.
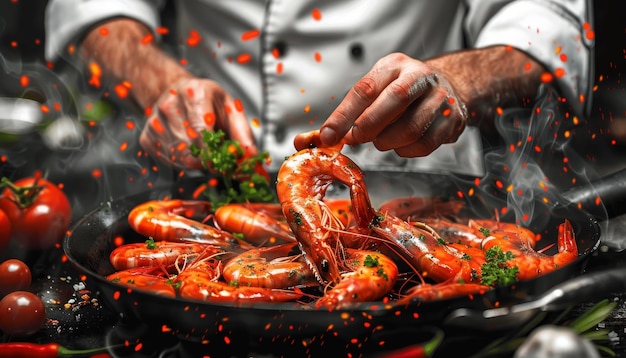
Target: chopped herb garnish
<point x="150" y="244"/>
<point x="236" y="171"/>
<point x="370" y="261"/>
<point x="485" y="231"/>
<point x="495" y="272"/>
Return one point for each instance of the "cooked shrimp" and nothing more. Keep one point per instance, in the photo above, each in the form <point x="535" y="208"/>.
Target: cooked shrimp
<point x="370" y="276"/>
<point x="270" y="267"/>
<point x="301" y="185"/>
<point x="198" y="282"/>
<point x="254" y="223"/>
<point x="174" y="220"/>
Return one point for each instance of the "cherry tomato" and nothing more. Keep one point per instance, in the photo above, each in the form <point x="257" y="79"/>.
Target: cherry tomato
<point x="14" y="276"/>
<point x="5" y="230"/>
<point x="39" y="211"/>
<point x="21" y="313"/>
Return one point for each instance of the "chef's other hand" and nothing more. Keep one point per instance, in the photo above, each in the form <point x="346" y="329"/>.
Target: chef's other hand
<point x="401" y="104"/>
<point x="183" y="111"/>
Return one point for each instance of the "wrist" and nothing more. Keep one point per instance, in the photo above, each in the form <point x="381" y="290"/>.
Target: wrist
<point x="118" y="46"/>
<point x="490" y="78"/>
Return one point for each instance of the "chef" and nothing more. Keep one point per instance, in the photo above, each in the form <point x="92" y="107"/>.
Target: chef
<point x="407" y="83"/>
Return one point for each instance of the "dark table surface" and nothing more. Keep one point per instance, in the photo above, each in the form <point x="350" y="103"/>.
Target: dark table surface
<point x="78" y="319"/>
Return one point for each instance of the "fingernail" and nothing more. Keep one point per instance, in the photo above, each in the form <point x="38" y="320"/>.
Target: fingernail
<point x="328" y="136"/>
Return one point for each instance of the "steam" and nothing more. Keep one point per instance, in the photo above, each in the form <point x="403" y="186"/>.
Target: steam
<point x="537" y="161"/>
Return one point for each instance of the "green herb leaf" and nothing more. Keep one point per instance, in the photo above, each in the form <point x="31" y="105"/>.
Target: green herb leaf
<point x="495" y="272"/>
<point x="238" y="180"/>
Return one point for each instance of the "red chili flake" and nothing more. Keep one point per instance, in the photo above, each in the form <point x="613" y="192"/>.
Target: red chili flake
<point x="118" y="240"/>
<point x="116" y="295"/>
<point x="96" y="173"/>
<point x="527" y="66"/>
<point x="130" y="125"/>
<point x="209" y="119"/>
<point x="317" y="56"/>
<point x="563" y="57"/>
<point x="191" y="133"/>
<point x="123" y="146"/>
<point x="559" y="72"/>
<point x="228" y="109"/>
<point x="546" y="77"/>
<point x="157" y="125"/>
<point x="279" y="68"/>
<point x="147" y="39"/>
<point x="104" y="31"/>
<point x="183" y="61"/>
<point x="249" y="35"/>
<point x="499" y="184"/>
<point x="316" y="14"/>
<point x="446" y="112"/>
<point x="161" y="30"/>
<point x="275" y="52"/>
<point x="244" y="58"/>
<point x="57" y="106"/>
<point x="590" y="35"/>
<point x="71" y="48"/>
<point x="96" y="73"/>
<point x="24" y="80"/>
<point x="537" y="149"/>
<point x="499" y="111"/>
<point x="213" y="182"/>
<point x="138" y="347"/>
<point x="238" y="105"/>
<point x="194" y="38"/>
<point x="121" y="91"/>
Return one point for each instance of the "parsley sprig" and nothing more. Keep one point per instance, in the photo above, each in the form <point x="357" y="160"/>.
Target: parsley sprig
<point x="235" y="171"/>
<point x="495" y="271"/>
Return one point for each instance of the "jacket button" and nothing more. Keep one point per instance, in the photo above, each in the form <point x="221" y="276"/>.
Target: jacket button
<point x="279" y="49"/>
<point x="356" y="51"/>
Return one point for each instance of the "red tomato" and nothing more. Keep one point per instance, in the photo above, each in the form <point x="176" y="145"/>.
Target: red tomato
<point x="5" y="230"/>
<point x="21" y="313"/>
<point x="40" y="217"/>
<point x="14" y="276"/>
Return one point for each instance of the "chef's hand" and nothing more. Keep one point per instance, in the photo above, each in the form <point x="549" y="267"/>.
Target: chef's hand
<point x="183" y="111"/>
<point x="413" y="107"/>
<point x="401" y="104"/>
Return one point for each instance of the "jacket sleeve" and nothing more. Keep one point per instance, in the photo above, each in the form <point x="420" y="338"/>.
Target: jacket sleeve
<point x="556" y="33"/>
<point x="68" y="20"/>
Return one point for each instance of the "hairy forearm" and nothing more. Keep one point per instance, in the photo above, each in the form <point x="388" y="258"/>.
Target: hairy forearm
<point x="488" y="78"/>
<point x="117" y="46"/>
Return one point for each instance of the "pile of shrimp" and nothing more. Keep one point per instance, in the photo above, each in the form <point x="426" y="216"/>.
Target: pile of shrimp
<point x="319" y="252"/>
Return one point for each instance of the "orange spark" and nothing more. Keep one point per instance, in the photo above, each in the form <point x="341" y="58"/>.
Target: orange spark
<point x="249" y="35"/>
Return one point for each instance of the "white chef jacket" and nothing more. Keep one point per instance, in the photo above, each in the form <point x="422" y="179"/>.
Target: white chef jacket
<point x="307" y="54"/>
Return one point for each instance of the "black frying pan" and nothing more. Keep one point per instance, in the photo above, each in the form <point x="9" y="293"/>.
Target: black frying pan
<point x="361" y="328"/>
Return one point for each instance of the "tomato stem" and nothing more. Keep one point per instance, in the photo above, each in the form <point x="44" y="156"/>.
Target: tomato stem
<point x="24" y="195"/>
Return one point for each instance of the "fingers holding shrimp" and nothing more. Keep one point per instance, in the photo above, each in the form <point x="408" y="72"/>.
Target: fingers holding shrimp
<point x="402" y="104"/>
